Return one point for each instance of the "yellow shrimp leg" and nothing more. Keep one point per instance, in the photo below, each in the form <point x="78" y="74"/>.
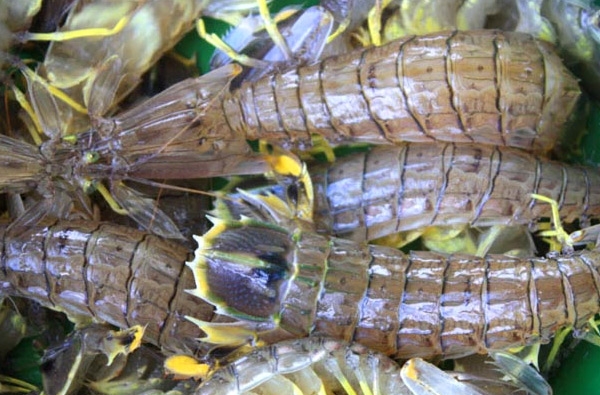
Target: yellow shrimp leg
<point x="374" y="21"/>
<point x="37" y="126"/>
<point x="562" y="237"/>
<point x="340" y="29"/>
<point x="319" y="146"/>
<point x="185" y="367"/>
<point x="71" y="35"/>
<point x="90" y="186"/>
<point x="35" y="80"/>
<point x="558" y="340"/>
<point x="270" y="25"/>
<point x="109" y="199"/>
<point x="271" y="28"/>
<point x="216" y="42"/>
<point x="334" y="367"/>
<point x="16" y="386"/>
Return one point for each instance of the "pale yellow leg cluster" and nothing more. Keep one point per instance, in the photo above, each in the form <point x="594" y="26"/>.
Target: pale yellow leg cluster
<point x="269" y="24"/>
<point x="271" y="28"/>
<point x="217" y="42"/>
<point x="374" y="21"/>
<point x="81" y="33"/>
<point x="44" y="95"/>
<point x="560" y="240"/>
<point x="35" y="128"/>
<point x="562" y="237"/>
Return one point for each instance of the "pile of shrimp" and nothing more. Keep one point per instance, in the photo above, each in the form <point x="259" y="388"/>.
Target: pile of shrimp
<point x="456" y="127"/>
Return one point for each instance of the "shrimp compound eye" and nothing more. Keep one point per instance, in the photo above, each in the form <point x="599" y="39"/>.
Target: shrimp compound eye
<point x="89" y="186"/>
<point x="91" y="157"/>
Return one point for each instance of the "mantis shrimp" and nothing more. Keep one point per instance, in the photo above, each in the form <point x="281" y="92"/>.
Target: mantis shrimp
<point x="278" y="283"/>
<point x="385" y="190"/>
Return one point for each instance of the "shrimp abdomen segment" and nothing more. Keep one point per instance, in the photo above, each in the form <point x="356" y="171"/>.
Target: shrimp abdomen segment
<point x="106" y="273"/>
<point x="485" y="86"/>
<point x="390" y="189"/>
<point x="427" y="304"/>
<point x="421" y="304"/>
